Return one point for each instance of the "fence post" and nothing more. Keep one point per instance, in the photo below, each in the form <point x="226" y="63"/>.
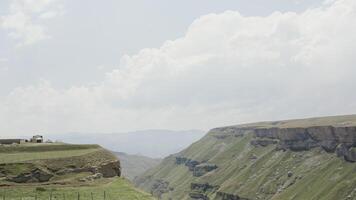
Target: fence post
<point x="104" y="195"/>
<point x="91" y="194"/>
<point x="78" y="196"/>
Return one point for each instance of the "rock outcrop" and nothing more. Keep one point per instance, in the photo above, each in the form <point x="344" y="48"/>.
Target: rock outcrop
<point x="201" y="169"/>
<point x="187" y="162"/>
<point x="91" y="177"/>
<point x="263" y="142"/>
<point x="110" y="169"/>
<point x="31" y="173"/>
<point x="181" y="160"/>
<point x="24" y="173"/>
<point x="341" y="140"/>
<point x="349" y="154"/>
<point x="191" y="164"/>
<point x="203" y="187"/>
<point x="198" y="196"/>
<point x="198" y="168"/>
<point x="227" y="196"/>
<point x="37" y="175"/>
<point x="159" y="187"/>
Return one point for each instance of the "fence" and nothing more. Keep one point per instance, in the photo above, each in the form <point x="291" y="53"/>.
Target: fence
<point x="55" y="195"/>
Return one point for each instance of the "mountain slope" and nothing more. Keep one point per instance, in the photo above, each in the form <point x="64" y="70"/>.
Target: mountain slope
<point x="62" y="169"/>
<point x="134" y="165"/>
<point x="295" y="159"/>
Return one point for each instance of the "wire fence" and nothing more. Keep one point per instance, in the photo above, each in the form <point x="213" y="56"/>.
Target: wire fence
<point x="11" y="195"/>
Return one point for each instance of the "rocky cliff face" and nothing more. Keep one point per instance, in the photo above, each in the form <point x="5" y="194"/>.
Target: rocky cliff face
<point x="331" y="139"/>
<point x="341" y="140"/>
<point x="275" y="161"/>
<point x="85" y="168"/>
<point x="41" y="174"/>
<point x="197" y="168"/>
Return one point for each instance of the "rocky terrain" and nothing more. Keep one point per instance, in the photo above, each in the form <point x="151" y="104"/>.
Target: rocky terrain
<point x="91" y="162"/>
<point x="58" y="170"/>
<point x="296" y="159"/>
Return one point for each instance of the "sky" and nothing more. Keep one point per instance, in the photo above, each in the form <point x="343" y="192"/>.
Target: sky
<point x="117" y="66"/>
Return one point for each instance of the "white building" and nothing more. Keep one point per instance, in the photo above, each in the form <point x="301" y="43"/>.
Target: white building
<point x="37" y="139"/>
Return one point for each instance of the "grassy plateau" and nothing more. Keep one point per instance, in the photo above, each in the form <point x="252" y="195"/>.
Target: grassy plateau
<point x="25" y="158"/>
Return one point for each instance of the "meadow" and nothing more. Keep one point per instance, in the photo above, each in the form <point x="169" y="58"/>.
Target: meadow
<point x="117" y="189"/>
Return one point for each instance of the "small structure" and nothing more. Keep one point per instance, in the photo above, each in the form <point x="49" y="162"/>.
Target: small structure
<point x="12" y="141"/>
<point x="37" y="139"/>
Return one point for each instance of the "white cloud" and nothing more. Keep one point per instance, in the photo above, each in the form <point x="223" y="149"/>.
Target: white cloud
<point x="4" y="68"/>
<point x="227" y="69"/>
<point x="48" y="15"/>
<point x="329" y="2"/>
<point x="23" y="21"/>
<point x="3" y="62"/>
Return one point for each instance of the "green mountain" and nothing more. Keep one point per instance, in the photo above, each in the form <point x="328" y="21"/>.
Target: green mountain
<point x="306" y="159"/>
<point x="59" y="171"/>
<point x="135" y="165"/>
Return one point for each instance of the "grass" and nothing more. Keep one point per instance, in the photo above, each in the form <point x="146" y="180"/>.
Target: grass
<point x="28" y="156"/>
<point x="28" y="152"/>
<point x="317" y="175"/>
<point x="118" y="189"/>
<point x="342" y="120"/>
<point x="44" y="147"/>
<point x="24" y="158"/>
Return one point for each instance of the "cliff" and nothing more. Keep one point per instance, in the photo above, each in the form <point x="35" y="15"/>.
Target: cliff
<point x="339" y="140"/>
<point x="300" y="159"/>
<point x="56" y="164"/>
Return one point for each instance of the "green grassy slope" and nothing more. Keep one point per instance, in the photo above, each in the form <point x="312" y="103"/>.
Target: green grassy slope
<point x="116" y="189"/>
<point x="256" y="172"/>
<point x="16" y="160"/>
<point x="342" y="120"/>
<point x="21" y="153"/>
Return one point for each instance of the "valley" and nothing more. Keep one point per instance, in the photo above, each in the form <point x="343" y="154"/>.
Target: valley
<point x="135" y="165"/>
<point x="304" y="159"/>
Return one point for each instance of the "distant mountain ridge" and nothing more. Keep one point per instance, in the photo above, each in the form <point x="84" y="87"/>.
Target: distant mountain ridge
<point x="151" y="143"/>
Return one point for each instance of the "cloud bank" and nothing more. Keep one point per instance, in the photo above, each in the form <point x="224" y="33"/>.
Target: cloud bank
<point x="25" y="19"/>
<point x="227" y="69"/>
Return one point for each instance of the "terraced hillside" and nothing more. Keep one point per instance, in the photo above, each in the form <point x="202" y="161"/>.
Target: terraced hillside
<point x="37" y="170"/>
<point x="296" y="159"/>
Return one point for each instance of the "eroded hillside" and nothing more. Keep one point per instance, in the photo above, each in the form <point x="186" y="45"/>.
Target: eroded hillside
<point x="55" y="163"/>
<point x="296" y="159"/>
<point x="62" y="170"/>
